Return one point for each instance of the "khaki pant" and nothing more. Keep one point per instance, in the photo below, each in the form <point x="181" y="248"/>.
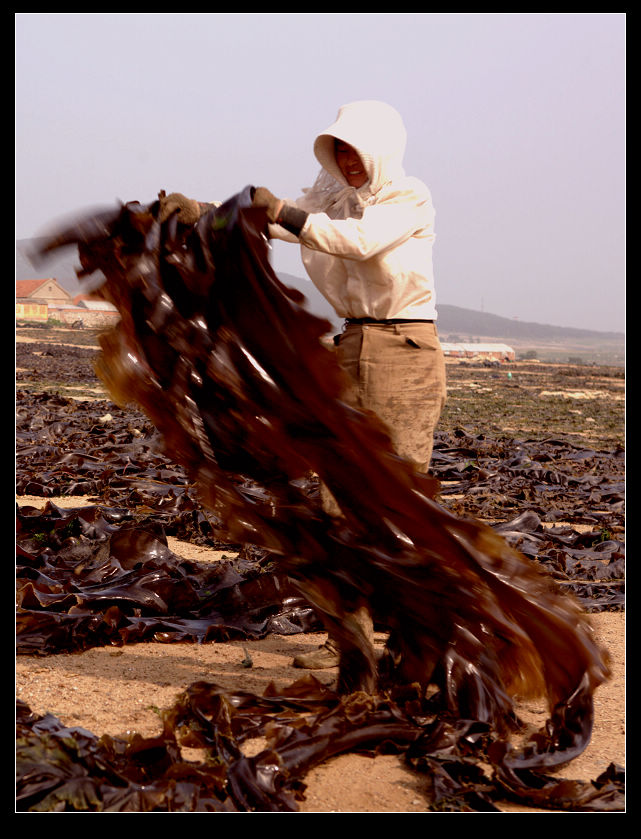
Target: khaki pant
<point x="398" y="372"/>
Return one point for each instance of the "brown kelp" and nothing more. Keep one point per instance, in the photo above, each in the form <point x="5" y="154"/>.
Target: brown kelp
<point x="229" y="366"/>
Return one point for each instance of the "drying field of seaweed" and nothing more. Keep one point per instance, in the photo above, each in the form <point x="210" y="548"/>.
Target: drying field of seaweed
<point x="536" y="450"/>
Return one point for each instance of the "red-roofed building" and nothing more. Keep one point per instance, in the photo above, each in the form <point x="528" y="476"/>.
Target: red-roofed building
<point x="47" y="289"/>
<point x="42" y="300"/>
<point x="33" y="298"/>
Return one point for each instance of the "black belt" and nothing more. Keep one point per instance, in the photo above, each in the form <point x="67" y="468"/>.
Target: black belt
<point x="389" y="320"/>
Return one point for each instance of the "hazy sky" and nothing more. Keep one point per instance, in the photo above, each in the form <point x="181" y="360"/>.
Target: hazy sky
<point x="515" y="121"/>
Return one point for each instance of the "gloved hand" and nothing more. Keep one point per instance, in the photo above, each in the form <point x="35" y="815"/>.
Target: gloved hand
<point x="263" y="198"/>
<point x="187" y="209"/>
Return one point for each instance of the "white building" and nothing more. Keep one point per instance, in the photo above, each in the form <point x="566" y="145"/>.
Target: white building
<point x="480" y="352"/>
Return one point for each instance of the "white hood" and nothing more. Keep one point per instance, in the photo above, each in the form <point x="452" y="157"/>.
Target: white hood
<point x="376" y="131"/>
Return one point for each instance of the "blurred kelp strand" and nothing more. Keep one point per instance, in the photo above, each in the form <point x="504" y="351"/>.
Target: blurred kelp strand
<point x="230" y="368"/>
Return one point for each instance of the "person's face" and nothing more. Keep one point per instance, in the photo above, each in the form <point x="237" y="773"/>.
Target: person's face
<point x="350" y="164"/>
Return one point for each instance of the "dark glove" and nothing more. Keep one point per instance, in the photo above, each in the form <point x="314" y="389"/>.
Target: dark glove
<point x="278" y="212"/>
<point x="187" y="209"/>
<point x="264" y="199"/>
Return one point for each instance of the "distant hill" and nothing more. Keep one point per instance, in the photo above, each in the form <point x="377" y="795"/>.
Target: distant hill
<point x="470" y="322"/>
<point x="458" y="324"/>
<point x="454" y="322"/>
<point x="467" y="323"/>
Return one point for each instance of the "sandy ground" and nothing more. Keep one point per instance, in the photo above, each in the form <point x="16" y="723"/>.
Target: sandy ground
<point x="114" y="691"/>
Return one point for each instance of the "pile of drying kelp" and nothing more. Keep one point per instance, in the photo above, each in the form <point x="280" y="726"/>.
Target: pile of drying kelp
<point x="92" y="576"/>
<point x="104" y="575"/>
<point x="556" y="478"/>
<point x="67" y="447"/>
<point x="69" y="769"/>
<point x="47" y="361"/>
<point x="535" y="490"/>
<point x="229" y="368"/>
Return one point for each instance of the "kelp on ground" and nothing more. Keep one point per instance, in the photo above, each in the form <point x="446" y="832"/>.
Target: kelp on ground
<point x="229" y="368"/>
<point x="537" y="490"/>
<point x="66" y="769"/>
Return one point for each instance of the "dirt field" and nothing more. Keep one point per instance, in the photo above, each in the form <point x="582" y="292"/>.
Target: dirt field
<point x="518" y="407"/>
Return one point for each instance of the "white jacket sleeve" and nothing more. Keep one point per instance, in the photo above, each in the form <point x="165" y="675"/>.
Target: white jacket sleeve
<point x="384" y="225"/>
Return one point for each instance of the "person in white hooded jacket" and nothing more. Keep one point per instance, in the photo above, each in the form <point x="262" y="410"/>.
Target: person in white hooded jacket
<point x="366" y="232"/>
